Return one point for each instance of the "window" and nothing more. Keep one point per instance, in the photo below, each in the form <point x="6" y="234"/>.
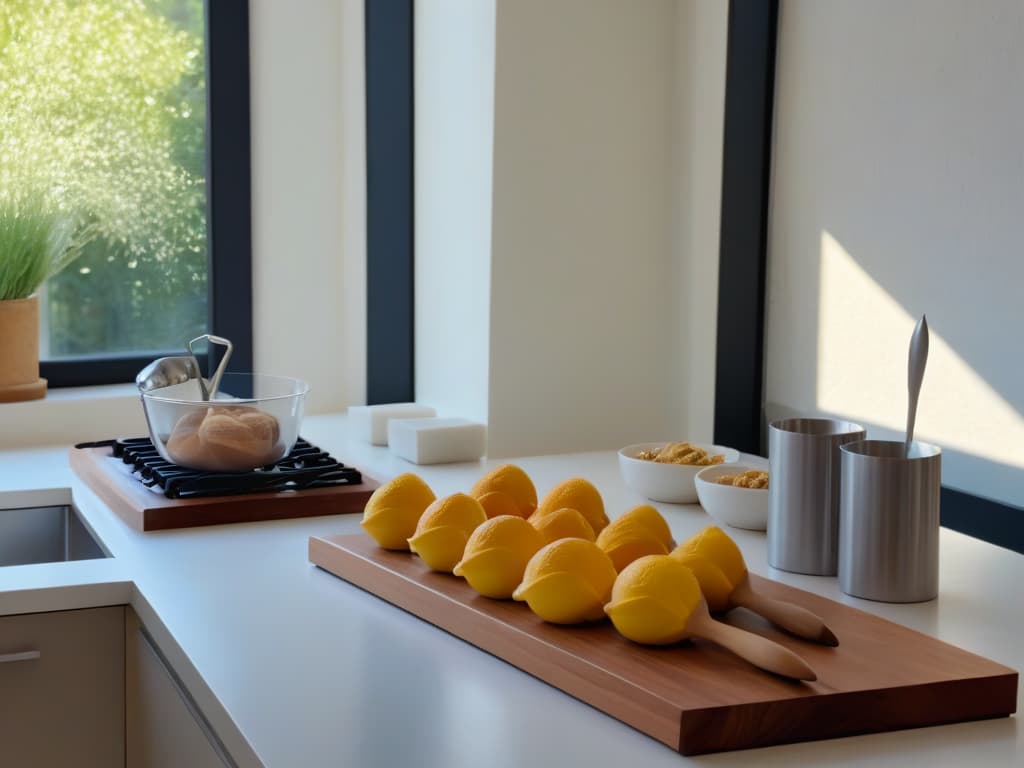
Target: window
<point x="127" y="110"/>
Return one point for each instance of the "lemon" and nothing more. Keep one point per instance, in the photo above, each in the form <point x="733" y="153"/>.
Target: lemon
<point x="714" y="545"/>
<point x="713" y="584"/>
<point x="653" y="599"/>
<point x="443" y="530"/>
<point x="498" y="503"/>
<point x="650" y="518"/>
<point x="576" y="493"/>
<point x="512" y="481"/>
<point x="567" y="582"/>
<point x="391" y="514"/>
<point x="562" y="523"/>
<point x="627" y="538"/>
<point x="496" y="555"/>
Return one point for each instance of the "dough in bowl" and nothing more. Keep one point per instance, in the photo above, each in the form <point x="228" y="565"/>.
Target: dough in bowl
<point x="225" y="438"/>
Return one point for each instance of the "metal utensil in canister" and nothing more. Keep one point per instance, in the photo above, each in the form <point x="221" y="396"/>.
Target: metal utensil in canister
<point x="803" y="495"/>
<point x="916" y="361"/>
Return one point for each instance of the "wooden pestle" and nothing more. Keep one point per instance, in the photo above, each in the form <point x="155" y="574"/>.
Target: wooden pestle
<point x="759" y="651"/>
<point x="718" y="564"/>
<point x="790" y="617"/>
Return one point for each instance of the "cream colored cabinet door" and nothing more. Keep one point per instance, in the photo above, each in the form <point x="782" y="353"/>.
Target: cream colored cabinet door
<point x="62" y="689"/>
<point x="163" y="729"/>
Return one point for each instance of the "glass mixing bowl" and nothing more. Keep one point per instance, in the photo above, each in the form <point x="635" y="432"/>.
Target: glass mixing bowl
<point x="253" y="421"/>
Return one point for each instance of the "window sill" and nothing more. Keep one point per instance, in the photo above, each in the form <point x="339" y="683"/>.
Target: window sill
<point x="71" y="415"/>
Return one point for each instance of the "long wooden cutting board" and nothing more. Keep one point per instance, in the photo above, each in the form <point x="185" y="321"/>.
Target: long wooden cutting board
<point x="696" y="697"/>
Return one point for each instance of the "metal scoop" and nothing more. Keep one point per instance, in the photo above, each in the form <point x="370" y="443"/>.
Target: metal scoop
<point x="168" y="371"/>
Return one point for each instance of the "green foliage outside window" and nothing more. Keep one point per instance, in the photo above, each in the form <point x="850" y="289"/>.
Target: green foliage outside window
<point x="102" y="118"/>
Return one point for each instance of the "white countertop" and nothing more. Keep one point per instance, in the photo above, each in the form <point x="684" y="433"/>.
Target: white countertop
<point x="296" y="668"/>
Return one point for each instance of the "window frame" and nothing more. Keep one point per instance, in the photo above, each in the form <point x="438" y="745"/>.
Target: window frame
<point x="228" y="210"/>
<point x="390" y="222"/>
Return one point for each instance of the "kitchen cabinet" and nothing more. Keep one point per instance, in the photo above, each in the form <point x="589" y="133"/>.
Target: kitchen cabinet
<point x="62" y="688"/>
<point x="163" y="727"/>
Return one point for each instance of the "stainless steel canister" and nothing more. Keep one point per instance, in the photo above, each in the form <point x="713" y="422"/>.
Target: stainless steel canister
<point x="803" y="493"/>
<point x="889" y="521"/>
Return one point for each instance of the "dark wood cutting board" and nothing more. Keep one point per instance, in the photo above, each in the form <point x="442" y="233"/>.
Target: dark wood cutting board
<point x="696" y="697"/>
<point x="147" y="511"/>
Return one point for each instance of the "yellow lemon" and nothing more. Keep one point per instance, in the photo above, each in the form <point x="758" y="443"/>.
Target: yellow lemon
<point x="391" y="514"/>
<point x="713" y="584"/>
<point x="650" y="518"/>
<point x="513" y="482"/>
<point x="498" y="503"/>
<point x="567" y="582"/>
<point x="443" y="530"/>
<point x="626" y="538"/>
<point x="562" y="523"/>
<point x="714" y="545"/>
<point x="576" y="493"/>
<point x="496" y="555"/>
<point x="653" y="599"/>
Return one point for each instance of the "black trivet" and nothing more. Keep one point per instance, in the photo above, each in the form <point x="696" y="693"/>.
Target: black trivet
<point x="305" y="467"/>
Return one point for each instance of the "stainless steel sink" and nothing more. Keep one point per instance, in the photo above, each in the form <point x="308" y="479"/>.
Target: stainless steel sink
<point x="50" y="534"/>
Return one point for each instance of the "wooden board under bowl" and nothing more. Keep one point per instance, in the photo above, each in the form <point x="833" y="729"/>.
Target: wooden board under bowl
<point x="147" y="511"/>
<point x="696" y="697"/>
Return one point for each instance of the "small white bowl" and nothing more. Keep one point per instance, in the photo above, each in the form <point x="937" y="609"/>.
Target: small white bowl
<point x="672" y="483"/>
<point x="739" y="507"/>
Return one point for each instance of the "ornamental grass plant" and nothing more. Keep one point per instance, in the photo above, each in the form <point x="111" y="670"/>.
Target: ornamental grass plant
<point x="36" y="242"/>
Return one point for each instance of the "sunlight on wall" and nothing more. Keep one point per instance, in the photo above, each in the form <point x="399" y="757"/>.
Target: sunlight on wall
<point x="863" y="340"/>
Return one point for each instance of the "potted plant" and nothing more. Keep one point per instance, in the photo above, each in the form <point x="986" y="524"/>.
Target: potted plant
<point x="37" y="241"/>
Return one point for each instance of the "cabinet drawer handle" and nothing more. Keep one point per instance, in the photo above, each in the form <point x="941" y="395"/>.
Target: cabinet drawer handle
<point x="22" y="656"/>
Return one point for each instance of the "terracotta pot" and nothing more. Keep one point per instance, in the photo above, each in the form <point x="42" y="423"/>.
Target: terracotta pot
<point x="19" y="351"/>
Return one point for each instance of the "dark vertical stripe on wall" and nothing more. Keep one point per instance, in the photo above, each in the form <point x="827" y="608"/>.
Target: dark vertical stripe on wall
<point x="389" y="200"/>
<point x="746" y="161"/>
<point x="229" y="191"/>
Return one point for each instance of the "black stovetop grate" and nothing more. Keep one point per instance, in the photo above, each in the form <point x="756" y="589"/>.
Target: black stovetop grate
<point x="305" y="467"/>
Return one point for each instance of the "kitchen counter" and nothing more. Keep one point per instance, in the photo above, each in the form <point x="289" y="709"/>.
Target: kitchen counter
<point x="295" y="667"/>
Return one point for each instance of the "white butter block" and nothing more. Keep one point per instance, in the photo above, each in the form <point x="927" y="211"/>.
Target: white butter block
<point x="369" y="423"/>
<point x="437" y="441"/>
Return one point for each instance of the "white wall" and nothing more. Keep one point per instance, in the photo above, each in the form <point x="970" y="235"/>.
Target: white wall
<point x="580" y="303"/>
<point x="308" y="206"/>
<point x="599" y="192"/>
<point x="698" y="122"/>
<point x="454" y="86"/>
<point x="899" y="190"/>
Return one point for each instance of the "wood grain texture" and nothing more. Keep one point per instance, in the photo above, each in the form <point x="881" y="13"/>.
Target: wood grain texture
<point x="147" y="511"/>
<point x="696" y="697"/>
